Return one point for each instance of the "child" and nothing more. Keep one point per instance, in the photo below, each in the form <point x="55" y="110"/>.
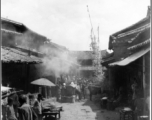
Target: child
<point x="10" y="113"/>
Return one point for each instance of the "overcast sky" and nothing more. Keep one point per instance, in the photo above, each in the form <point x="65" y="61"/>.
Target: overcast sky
<point x="66" y="22"/>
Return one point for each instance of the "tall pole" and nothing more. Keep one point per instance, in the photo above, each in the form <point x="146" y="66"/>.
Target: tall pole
<point x="90" y="20"/>
<point x="98" y="46"/>
<point x="144" y="83"/>
<point x="95" y="48"/>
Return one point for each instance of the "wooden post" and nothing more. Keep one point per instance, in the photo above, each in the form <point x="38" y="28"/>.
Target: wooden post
<point x="46" y="91"/>
<point x="40" y="90"/>
<point x="109" y="79"/>
<point x="55" y="80"/>
<point x="28" y="74"/>
<point x="144" y="83"/>
<point x="50" y="92"/>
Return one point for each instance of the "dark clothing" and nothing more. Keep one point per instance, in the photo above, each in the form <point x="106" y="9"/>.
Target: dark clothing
<point x="90" y="96"/>
<point x="82" y="87"/>
<point x="4" y="112"/>
<point x="63" y="91"/>
<point x="26" y="113"/>
<point x="83" y="94"/>
<point x="80" y="97"/>
<point x="78" y="92"/>
<point x="15" y="103"/>
<point x="83" y="90"/>
<point x="91" y="92"/>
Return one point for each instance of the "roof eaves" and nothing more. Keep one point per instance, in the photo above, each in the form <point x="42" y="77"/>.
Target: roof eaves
<point x="134" y="31"/>
<point x="117" y="33"/>
<point x="8" y="20"/>
<point x="17" y="56"/>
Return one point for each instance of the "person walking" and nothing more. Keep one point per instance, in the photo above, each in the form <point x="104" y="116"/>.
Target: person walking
<point x="90" y="91"/>
<point x="83" y="89"/>
<point x="10" y="112"/>
<point x="79" y="91"/>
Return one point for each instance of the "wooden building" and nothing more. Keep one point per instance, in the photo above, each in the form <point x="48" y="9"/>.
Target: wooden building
<point x="85" y="60"/>
<point x="22" y="55"/>
<point x="130" y="60"/>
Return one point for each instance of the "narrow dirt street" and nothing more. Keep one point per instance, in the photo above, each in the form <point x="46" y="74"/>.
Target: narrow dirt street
<point x="86" y="110"/>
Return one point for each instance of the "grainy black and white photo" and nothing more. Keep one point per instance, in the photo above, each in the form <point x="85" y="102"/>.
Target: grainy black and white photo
<point x="75" y="60"/>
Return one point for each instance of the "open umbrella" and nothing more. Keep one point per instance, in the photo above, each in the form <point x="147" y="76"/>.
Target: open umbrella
<point x="43" y="82"/>
<point x="5" y="88"/>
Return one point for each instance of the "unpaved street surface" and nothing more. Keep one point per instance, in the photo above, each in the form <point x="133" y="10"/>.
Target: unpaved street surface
<point x="86" y="110"/>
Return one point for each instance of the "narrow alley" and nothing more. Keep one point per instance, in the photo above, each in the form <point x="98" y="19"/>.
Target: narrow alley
<point x="86" y="110"/>
<point x="75" y="60"/>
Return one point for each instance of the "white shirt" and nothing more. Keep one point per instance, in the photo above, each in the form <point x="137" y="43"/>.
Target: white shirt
<point x="38" y="107"/>
<point x="10" y="112"/>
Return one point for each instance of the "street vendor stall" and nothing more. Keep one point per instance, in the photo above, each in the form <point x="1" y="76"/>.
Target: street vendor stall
<point x="43" y="82"/>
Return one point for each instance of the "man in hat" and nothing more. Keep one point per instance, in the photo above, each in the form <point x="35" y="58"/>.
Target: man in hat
<point x="16" y="103"/>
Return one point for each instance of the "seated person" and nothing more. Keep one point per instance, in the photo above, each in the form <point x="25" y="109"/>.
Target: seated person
<point x="32" y="100"/>
<point x="25" y="111"/>
<point x="120" y="99"/>
<point x="10" y="112"/>
<point x="37" y="106"/>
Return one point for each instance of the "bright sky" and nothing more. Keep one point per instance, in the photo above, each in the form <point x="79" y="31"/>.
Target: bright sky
<point x="66" y="22"/>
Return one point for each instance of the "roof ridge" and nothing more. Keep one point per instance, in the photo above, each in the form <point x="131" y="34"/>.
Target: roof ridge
<point x="147" y="17"/>
<point x="13" y="21"/>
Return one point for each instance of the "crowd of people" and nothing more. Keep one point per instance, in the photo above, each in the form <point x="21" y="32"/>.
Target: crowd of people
<point x="81" y="89"/>
<point x="17" y="106"/>
<point x="78" y="90"/>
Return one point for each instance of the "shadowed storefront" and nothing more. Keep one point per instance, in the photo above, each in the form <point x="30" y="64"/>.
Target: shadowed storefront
<point x="129" y="67"/>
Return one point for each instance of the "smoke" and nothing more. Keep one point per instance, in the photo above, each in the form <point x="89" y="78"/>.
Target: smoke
<point x="57" y="62"/>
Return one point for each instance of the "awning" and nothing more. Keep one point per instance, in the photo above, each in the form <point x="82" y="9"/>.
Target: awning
<point x="131" y="58"/>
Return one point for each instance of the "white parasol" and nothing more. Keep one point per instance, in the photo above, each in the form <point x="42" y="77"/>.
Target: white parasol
<point x="5" y="88"/>
<point x="43" y="82"/>
<point x="72" y="84"/>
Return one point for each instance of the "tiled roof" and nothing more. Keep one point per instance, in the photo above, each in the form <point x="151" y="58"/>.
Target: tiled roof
<point x="128" y="35"/>
<point x="11" y="21"/>
<point x="14" y="55"/>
